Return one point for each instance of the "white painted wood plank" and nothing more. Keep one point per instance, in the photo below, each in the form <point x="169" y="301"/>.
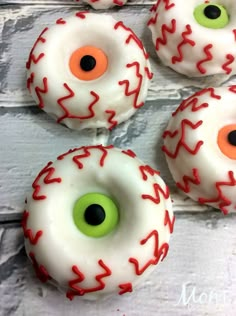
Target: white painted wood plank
<point x="201" y="257"/>
<point x="21" y="25"/>
<point x="29" y="138"/>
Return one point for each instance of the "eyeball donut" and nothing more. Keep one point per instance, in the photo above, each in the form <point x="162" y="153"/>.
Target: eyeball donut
<point x="88" y="71"/>
<point x="105" y="4"/>
<point x="200" y="147"/>
<point x="97" y="222"/>
<point x="195" y="37"/>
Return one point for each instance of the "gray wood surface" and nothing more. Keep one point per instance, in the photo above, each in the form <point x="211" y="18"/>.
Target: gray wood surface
<point x="202" y="260"/>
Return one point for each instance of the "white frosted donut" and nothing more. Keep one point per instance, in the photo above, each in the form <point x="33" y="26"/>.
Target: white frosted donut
<point x="88" y="71"/>
<point x="195" y="37"/>
<point x="69" y="239"/>
<point x="200" y="147"/>
<point x="105" y="4"/>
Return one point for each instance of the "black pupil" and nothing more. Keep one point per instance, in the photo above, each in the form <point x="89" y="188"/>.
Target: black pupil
<point x="87" y="63"/>
<point x="94" y="214"/>
<point x="212" y="12"/>
<point x="232" y="138"/>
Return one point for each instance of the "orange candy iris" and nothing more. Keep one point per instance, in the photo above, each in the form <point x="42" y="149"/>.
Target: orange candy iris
<point x="88" y="63"/>
<point x="227" y="140"/>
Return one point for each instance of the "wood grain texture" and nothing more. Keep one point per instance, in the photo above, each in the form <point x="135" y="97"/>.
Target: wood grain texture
<point x="203" y="246"/>
<point x="201" y="257"/>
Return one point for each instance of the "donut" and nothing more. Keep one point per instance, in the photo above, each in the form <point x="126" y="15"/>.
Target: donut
<point x="88" y="71"/>
<point x="195" y="37"/>
<point x="97" y="222"/>
<point x="105" y="4"/>
<point x="200" y="147"/>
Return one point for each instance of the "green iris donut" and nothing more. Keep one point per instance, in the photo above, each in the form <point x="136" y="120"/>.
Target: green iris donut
<point x="212" y="16"/>
<point x="95" y="214"/>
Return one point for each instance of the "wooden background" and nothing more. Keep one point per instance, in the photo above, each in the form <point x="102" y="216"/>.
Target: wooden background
<point x="202" y="259"/>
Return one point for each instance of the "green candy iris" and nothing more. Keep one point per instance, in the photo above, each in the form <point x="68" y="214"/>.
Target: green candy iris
<point x="212" y="16"/>
<point x="95" y="214"/>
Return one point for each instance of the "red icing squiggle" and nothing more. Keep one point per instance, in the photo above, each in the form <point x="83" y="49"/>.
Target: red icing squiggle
<point x="193" y="101"/>
<point x="148" y="170"/>
<point x="187" y="180"/>
<point x="86" y="153"/>
<point x="28" y="233"/>
<point x="129" y="152"/>
<point x="70" y="151"/>
<point x="167" y="3"/>
<point x="232" y="88"/>
<point x="185" y="41"/>
<point x="132" y="36"/>
<point x="39" y="91"/>
<point x="164" y="30"/>
<point x="80" y="277"/>
<point x="111" y="120"/>
<point x="32" y="57"/>
<point x="181" y="143"/>
<point x="67" y="113"/>
<point x="61" y="21"/>
<point x="81" y="15"/>
<point x="125" y="288"/>
<point x="135" y="91"/>
<point x="30" y="81"/>
<point x="230" y="59"/>
<point x="47" y="176"/>
<point x="157" y="191"/>
<point x="158" y="253"/>
<point x="169" y="222"/>
<point x="40" y="270"/>
<point x="221" y="199"/>
<point x="208" y="57"/>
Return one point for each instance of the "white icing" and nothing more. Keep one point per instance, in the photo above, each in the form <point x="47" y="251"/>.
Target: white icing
<point x="213" y="166"/>
<point x="105" y="4"/>
<point x="63" y="245"/>
<point x="222" y="40"/>
<point x="124" y="52"/>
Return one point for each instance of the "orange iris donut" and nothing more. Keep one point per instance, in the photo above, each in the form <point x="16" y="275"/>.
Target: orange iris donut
<point x="88" y="71"/>
<point x="200" y="147"/>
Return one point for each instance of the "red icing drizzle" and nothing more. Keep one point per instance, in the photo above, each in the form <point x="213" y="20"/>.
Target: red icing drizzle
<point x="158" y="253"/>
<point x="129" y="152"/>
<point x="221" y="199"/>
<point x="61" y="21"/>
<point x="81" y="15"/>
<point x="164" y="30"/>
<point x="47" y="175"/>
<point x="135" y="91"/>
<point x="30" y="81"/>
<point x="86" y="153"/>
<point x="187" y="179"/>
<point x="232" y="88"/>
<point x="43" y="90"/>
<point x="181" y="143"/>
<point x="40" y="270"/>
<point x="225" y="66"/>
<point x="125" y="288"/>
<point x="70" y="95"/>
<point x="118" y="2"/>
<point x="80" y="277"/>
<point x="111" y="120"/>
<point x="169" y="222"/>
<point x="208" y="57"/>
<point x="148" y="170"/>
<point x="193" y="101"/>
<point x="62" y="156"/>
<point x="32" y="57"/>
<point x="185" y="41"/>
<point x="28" y="233"/>
<point x="157" y="191"/>
<point x="132" y="36"/>
<point x="167" y="3"/>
